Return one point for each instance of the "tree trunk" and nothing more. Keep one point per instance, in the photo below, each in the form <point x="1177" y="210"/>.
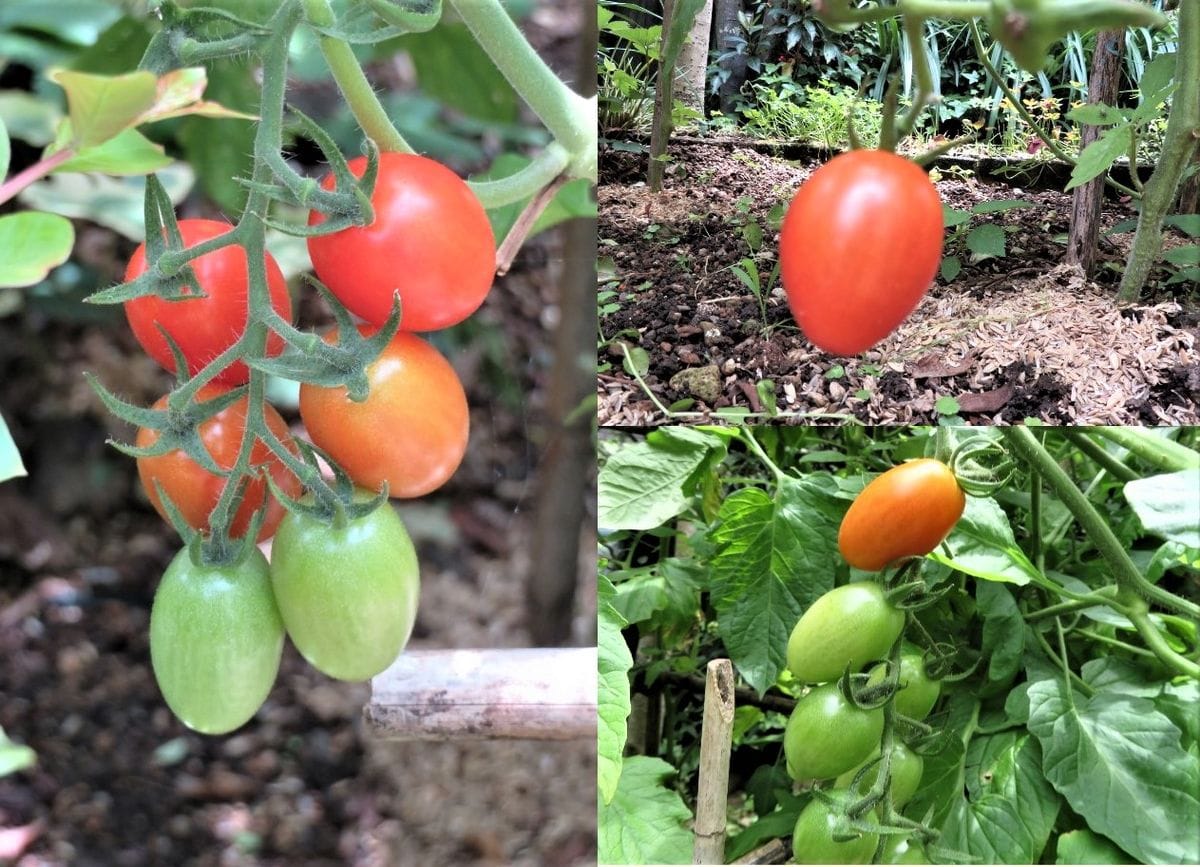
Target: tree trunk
<point x="564" y="475"/>
<point x="727" y="29"/>
<point x="691" y="83"/>
<point x="1087" y="198"/>
<point x="1189" y="193"/>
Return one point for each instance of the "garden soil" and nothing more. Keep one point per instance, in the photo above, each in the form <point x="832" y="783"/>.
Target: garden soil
<point x="1009" y="339"/>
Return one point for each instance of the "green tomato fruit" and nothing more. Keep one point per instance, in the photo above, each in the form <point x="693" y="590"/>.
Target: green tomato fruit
<point x="906" y="771"/>
<point x="813" y="843"/>
<point x="215" y="641"/>
<point x="347" y="594"/>
<point x="918" y="692"/>
<point x="852" y="625"/>
<point x="903" y="850"/>
<point x="827" y="735"/>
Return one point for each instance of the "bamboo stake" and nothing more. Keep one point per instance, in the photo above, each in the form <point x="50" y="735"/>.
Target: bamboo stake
<point x="529" y="693"/>
<point x="716" y="741"/>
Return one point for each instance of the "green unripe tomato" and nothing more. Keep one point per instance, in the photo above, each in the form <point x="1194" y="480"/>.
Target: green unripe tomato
<point x="906" y="771"/>
<point x="215" y="641"/>
<point x="347" y="594"/>
<point x="813" y="843"/>
<point x="826" y="735"/>
<point x="903" y="850"/>
<point x="853" y="624"/>
<point x="918" y="692"/>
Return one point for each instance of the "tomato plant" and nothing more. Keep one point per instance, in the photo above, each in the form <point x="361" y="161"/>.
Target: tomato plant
<point x="918" y="692"/>
<point x="859" y="247"/>
<point x="906" y="770"/>
<point x="826" y="735"/>
<point x="215" y="641"/>
<point x="195" y="491"/>
<point x="347" y="590"/>
<point x="905" y="512"/>
<point x="411" y="431"/>
<point x="204" y="327"/>
<point x="431" y="241"/>
<point x="850" y="625"/>
<point x="813" y="837"/>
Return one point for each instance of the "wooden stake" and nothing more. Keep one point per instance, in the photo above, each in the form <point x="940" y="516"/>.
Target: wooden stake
<point x="716" y="741"/>
<point x="441" y="695"/>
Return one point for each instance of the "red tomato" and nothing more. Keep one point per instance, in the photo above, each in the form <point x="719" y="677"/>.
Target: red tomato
<point x="905" y="512"/>
<point x="859" y="247"/>
<point x="195" y="491"/>
<point x="205" y="327"/>
<point x="410" y="432"/>
<point x="431" y="240"/>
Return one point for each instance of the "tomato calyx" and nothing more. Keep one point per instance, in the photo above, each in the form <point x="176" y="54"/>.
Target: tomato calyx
<point x="337" y="504"/>
<point x="341" y="362"/>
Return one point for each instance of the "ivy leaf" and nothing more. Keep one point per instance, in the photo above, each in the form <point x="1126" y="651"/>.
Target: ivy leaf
<point x="645" y="823"/>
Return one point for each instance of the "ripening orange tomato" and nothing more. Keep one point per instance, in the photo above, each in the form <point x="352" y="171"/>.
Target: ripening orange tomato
<point x="905" y="512"/>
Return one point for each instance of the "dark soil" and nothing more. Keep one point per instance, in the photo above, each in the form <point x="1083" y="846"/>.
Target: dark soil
<point x="119" y="781"/>
<point x="1008" y="338"/>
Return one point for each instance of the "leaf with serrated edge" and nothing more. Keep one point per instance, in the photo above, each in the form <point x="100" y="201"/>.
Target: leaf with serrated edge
<point x="645" y="823"/>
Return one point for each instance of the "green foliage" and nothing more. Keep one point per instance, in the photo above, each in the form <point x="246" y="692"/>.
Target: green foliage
<point x="969" y="237"/>
<point x="13" y="756"/>
<point x="628" y="57"/>
<point x="778" y="108"/>
<point x="1059" y="733"/>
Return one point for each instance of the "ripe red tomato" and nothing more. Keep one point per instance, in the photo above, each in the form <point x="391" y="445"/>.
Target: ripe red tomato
<point x="347" y="594"/>
<point x="905" y="512"/>
<point x="410" y="432"/>
<point x="850" y="625"/>
<point x="205" y="327"/>
<point x="431" y="240"/>
<point x="215" y="641"/>
<point x="859" y="246"/>
<point x="195" y="491"/>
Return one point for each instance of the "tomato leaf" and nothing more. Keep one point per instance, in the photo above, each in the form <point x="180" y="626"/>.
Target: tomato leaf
<point x="776" y="556"/>
<point x="1167" y="505"/>
<point x="982" y="545"/>
<point x="646" y="484"/>
<point x="33" y="244"/>
<point x="645" y="822"/>
<point x="612" y="699"/>
<point x="1118" y="761"/>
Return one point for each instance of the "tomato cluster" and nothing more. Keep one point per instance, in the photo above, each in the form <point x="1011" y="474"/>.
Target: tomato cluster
<point x="836" y="732"/>
<point x="345" y="590"/>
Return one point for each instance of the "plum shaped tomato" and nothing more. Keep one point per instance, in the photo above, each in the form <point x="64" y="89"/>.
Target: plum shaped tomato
<point x="195" y="491"/>
<point x="918" y="692"/>
<point x="905" y="512"/>
<point x="410" y="432"/>
<point x="205" y="327"/>
<point x="826" y="735"/>
<point x="906" y="770"/>
<point x="347" y="592"/>
<point x="215" y="641"/>
<point x="431" y="240"/>
<point x="813" y="838"/>
<point x="903" y="850"/>
<point x="859" y="247"/>
<point x="850" y="625"/>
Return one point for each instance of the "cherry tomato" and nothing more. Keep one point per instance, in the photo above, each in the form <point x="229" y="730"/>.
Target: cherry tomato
<point x="812" y="839"/>
<point x="906" y="770"/>
<point x="905" y="512"/>
<point x="853" y="624"/>
<point x="195" y="491"/>
<point x="347" y="593"/>
<point x="859" y="247"/>
<point x="918" y="692"/>
<point x="410" y="432"/>
<point x="827" y="735"/>
<point x="205" y="327"/>
<point x="431" y="240"/>
<point x="903" y="850"/>
<point x="215" y="641"/>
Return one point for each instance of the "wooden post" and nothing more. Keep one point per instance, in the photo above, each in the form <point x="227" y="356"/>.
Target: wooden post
<point x="1087" y="198"/>
<point x="716" y="741"/>
<point x="441" y="695"/>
